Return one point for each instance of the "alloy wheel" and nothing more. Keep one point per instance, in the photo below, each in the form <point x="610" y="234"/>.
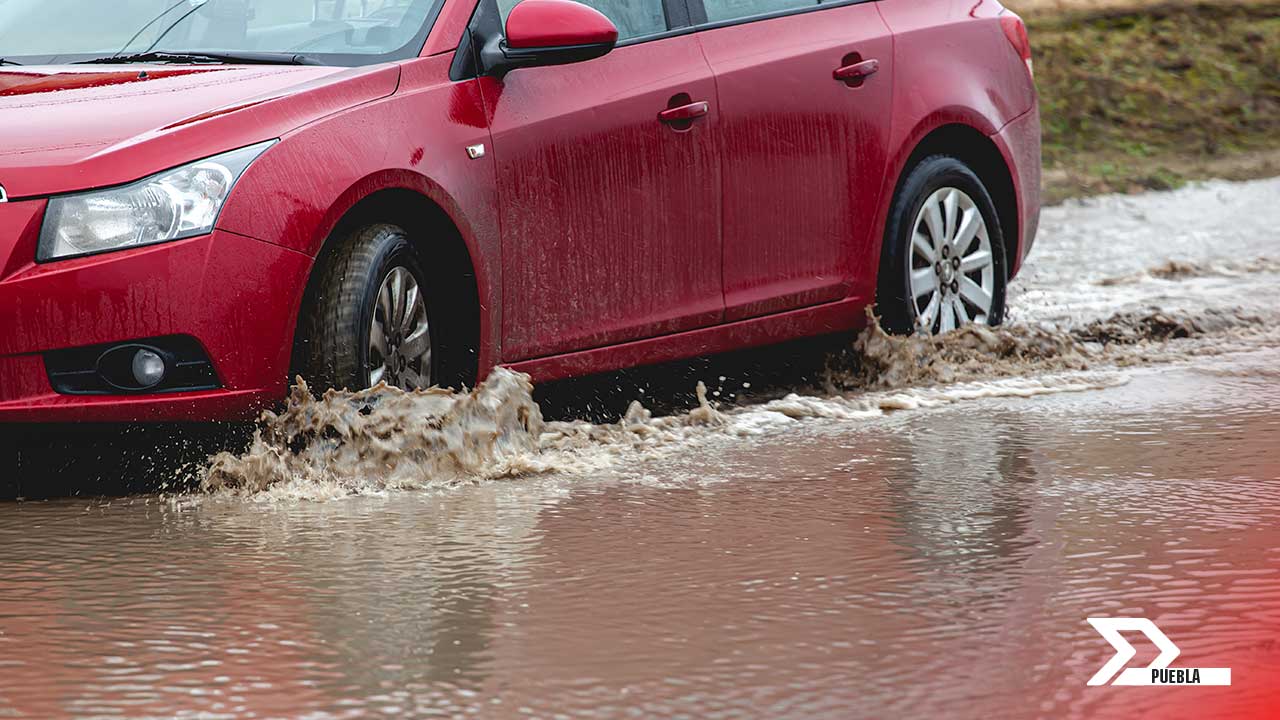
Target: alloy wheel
<point x="400" y="336"/>
<point x="953" y="280"/>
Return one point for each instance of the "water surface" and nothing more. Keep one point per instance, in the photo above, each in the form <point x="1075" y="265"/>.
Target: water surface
<point x="907" y="551"/>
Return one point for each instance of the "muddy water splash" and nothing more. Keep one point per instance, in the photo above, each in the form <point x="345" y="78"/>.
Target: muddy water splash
<point x="880" y="361"/>
<point x="383" y="439"/>
<point x="1157" y="326"/>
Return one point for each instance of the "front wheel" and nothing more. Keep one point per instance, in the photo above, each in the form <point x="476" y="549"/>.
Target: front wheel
<point x="368" y="321"/>
<point x="943" y="264"/>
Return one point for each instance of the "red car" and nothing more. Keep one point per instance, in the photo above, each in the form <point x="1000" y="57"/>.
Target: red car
<point x="203" y="198"/>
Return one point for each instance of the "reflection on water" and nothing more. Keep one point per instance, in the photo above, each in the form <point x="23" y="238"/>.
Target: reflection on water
<point x="933" y="563"/>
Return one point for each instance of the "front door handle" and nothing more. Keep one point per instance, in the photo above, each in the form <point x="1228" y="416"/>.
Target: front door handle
<point x="684" y="114"/>
<point x="856" y="73"/>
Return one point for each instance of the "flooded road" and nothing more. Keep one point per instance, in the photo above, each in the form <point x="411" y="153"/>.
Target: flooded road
<point x="914" y="539"/>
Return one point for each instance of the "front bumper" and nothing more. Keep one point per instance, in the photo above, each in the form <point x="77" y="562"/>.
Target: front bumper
<point x="237" y="296"/>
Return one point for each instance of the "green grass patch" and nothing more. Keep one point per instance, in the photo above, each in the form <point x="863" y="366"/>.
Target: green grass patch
<point x="1124" y="92"/>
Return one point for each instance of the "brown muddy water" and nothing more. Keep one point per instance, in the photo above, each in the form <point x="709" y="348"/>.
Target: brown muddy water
<point x="922" y="530"/>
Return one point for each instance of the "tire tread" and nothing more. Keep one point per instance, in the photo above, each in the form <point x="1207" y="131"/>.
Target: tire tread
<point x="331" y="320"/>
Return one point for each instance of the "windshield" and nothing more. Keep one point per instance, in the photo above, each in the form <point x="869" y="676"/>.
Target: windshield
<point x="337" y="32"/>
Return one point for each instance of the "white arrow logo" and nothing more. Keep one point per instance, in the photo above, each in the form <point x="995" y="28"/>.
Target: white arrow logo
<point x="1158" y="672"/>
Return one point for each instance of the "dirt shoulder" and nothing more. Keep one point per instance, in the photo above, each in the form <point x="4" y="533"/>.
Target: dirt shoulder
<point x="1147" y="94"/>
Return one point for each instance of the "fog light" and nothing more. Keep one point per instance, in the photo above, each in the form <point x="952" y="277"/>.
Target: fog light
<point x="174" y="363"/>
<point x="148" y="368"/>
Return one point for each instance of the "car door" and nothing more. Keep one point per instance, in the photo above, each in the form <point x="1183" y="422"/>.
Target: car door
<point x="610" y="215"/>
<point x="805" y="95"/>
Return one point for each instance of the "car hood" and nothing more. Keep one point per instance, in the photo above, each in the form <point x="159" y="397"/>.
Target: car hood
<point x="68" y="128"/>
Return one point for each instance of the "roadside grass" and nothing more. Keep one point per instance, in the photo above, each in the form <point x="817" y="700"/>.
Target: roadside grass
<point x="1154" y="97"/>
<point x="1035" y="8"/>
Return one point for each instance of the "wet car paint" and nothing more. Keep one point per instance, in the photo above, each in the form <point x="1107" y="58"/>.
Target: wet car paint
<point x="150" y="118"/>
<point x="349" y="135"/>
<point x="596" y="193"/>
<point x="804" y="155"/>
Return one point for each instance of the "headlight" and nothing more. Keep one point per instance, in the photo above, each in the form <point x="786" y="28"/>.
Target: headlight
<point x="172" y="205"/>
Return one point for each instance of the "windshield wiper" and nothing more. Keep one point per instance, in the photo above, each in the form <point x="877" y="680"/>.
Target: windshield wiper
<point x="8" y="62"/>
<point x="243" y="58"/>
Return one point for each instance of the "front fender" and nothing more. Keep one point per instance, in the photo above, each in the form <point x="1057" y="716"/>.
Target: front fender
<point x="300" y="189"/>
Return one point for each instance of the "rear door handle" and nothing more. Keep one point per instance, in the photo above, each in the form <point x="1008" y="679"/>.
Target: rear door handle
<point x="685" y="113"/>
<point x="856" y="73"/>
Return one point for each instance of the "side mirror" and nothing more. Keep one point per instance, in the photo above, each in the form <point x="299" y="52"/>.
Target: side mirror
<point x="549" y="32"/>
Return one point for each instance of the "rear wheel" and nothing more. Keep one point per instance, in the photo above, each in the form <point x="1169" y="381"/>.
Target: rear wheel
<point x="368" y="319"/>
<point x="943" y="264"/>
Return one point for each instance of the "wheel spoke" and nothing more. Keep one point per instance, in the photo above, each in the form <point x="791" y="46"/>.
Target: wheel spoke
<point x="930" y="315"/>
<point x="969" y="224"/>
<point x="398" y="294"/>
<point x="385" y="304"/>
<point x="412" y="303"/>
<point x="923" y="247"/>
<point x="974" y="293"/>
<point x="378" y="340"/>
<point x="950" y="203"/>
<point x="948" y="319"/>
<point x="977" y="261"/>
<point x="417" y="344"/>
<point x="923" y="282"/>
<point x="957" y="307"/>
<point x="937" y="227"/>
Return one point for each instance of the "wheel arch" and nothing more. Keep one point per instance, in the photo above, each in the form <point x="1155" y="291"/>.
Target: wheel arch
<point x="445" y="250"/>
<point x="967" y="142"/>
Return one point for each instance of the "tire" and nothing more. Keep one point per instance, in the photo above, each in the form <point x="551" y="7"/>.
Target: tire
<point x="968" y="280"/>
<point x="337" y="326"/>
